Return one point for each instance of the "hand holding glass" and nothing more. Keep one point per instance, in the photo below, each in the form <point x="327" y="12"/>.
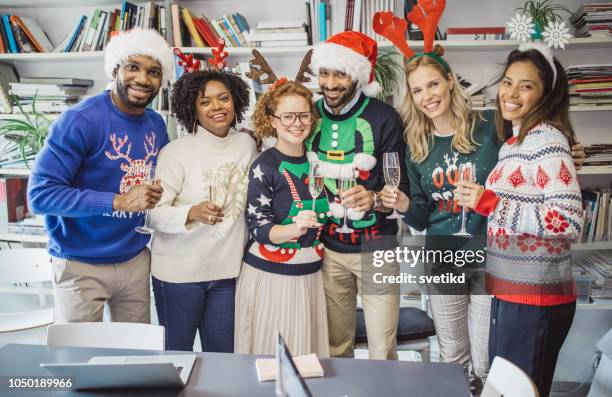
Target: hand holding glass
<point x="148" y="179"/>
<point x="392" y="173"/>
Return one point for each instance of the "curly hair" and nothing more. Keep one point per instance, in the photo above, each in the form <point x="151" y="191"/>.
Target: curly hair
<point x="267" y="103"/>
<point x="185" y="92"/>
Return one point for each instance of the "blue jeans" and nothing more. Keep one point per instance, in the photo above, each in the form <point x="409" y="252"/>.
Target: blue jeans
<point x="184" y="308"/>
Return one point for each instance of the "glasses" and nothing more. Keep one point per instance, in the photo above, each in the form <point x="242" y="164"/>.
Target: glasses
<point x="287" y="119"/>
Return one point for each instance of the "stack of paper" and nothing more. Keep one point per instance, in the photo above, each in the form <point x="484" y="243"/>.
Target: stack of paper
<point x="307" y="365"/>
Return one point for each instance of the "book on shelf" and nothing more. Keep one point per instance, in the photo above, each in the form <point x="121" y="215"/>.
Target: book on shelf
<point x="597" y="215"/>
<point x="13" y="201"/>
<point x="57" y="81"/>
<point x="476" y="33"/>
<point x="598" y="264"/>
<point x="592" y="19"/>
<point x="280" y="43"/>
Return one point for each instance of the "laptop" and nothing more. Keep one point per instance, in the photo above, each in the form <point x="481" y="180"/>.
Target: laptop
<point x="289" y="382"/>
<point x="110" y="372"/>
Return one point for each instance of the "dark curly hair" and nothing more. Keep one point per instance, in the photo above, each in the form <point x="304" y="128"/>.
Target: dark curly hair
<point x="185" y="92"/>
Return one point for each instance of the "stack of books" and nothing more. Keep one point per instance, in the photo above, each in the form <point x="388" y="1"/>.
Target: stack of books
<point x="476" y="33"/>
<point x="593" y="19"/>
<point x="191" y="30"/>
<point x="91" y="33"/>
<point x="597" y="224"/>
<point x="48" y="94"/>
<point x="599" y="266"/>
<point x="590" y="85"/>
<point x="278" y="34"/>
<point x="598" y="154"/>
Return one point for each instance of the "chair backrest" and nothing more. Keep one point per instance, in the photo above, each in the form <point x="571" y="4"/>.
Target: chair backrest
<point x="25" y="265"/>
<point x="115" y="335"/>
<point x="507" y="380"/>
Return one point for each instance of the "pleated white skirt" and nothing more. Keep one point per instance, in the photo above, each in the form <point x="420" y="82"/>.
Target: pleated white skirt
<point x="294" y="305"/>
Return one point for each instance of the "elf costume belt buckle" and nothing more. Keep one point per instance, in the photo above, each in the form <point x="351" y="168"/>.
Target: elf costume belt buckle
<point x="335" y="155"/>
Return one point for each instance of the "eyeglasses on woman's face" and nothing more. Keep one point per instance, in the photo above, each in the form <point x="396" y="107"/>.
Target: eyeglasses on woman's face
<point x="288" y="119"/>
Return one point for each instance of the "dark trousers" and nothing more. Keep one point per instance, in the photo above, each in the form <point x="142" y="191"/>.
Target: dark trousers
<point x="530" y="337"/>
<point x="184" y="308"/>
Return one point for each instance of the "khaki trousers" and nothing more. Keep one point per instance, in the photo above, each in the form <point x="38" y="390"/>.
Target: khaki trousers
<point x="81" y="289"/>
<point x="344" y="277"/>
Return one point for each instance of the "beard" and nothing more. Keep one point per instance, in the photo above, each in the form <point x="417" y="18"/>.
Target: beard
<point x="122" y="92"/>
<point x="346" y="94"/>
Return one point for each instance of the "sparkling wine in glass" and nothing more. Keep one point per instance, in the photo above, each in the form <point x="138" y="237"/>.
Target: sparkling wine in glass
<point x="315" y="182"/>
<point x="148" y="179"/>
<point x="467" y="173"/>
<point x="391" y="171"/>
<point x="345" y="182"/>
<point x="218" y="195"/>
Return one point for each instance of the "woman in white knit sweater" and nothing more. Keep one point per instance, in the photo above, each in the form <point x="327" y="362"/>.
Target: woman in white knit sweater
<point x="197" y="248"/>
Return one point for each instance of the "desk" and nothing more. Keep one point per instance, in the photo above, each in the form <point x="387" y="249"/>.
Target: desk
<point x="222" y="374"/>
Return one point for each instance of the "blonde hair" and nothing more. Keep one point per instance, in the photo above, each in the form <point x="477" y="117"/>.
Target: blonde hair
<point x="267" y="103"/>
<point x="419" y="128"/>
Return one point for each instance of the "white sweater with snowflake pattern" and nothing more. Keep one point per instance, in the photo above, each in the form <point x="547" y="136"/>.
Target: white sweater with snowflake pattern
<point x="534" y="206"/>
<point x="183" y="252"/>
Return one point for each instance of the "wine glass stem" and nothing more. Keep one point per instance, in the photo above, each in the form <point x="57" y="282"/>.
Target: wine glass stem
<point x="314" y="201"/>
<point x="345" y="211"/>
<point x="146" y="219"/>
<point x="463" y="219"/>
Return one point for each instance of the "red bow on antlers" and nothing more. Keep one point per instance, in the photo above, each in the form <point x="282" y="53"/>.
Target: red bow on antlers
<point x="217" y="61"/>
<point x="186" y="61"/>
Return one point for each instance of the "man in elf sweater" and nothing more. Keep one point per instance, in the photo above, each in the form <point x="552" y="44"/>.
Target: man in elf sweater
<point x="88" y="181"/>
<point x="353" y="133"/>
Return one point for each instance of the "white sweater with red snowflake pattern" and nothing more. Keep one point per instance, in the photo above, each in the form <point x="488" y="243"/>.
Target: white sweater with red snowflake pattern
<point x="534" y="206"/>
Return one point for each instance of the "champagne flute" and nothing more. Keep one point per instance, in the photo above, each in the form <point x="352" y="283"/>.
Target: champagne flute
<point x="218" y="194"/>
<point x="467" y="173"/>
<point x="147" y="180"/>
<point x="345" y="182"/>
<point x="391" y="171"/>
<point x="315" y="182"/>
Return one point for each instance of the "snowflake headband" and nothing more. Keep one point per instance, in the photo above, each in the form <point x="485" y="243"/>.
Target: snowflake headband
<point x="394" y="28"/>
<point x="555" y="35"/>
<point x="546" y="53"/>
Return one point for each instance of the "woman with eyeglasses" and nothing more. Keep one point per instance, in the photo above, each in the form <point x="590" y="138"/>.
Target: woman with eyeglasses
<point x="280" y="287"/>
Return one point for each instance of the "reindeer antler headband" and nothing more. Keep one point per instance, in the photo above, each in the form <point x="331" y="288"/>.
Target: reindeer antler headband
<point x="190" y="64"/>
<point x="260" y="67"/>
<point x="394" y="28"/>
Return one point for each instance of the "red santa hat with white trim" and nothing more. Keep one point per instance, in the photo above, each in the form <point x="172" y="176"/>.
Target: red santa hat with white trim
<point x="353" y="53"/>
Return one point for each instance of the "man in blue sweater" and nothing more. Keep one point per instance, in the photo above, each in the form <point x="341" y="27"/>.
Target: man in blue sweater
<point x="88" y="181"/>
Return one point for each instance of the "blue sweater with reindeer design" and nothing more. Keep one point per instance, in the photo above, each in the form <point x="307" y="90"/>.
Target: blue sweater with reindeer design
<point x="94" y="151"/>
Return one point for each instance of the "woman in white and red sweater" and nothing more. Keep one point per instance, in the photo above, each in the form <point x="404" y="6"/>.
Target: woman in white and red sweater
<point x="533" y="202"/>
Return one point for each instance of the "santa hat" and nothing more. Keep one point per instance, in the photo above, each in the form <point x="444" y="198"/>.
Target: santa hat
<point x="137" y="42"/>
<point x="353" y="53"/>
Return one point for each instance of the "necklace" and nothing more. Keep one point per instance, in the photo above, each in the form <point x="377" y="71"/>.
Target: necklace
<point x="112" y="100"/>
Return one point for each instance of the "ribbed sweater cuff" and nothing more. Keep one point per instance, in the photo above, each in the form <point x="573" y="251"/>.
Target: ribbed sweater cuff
<point x="102" y="203"/>
<point x="487" y="203"/>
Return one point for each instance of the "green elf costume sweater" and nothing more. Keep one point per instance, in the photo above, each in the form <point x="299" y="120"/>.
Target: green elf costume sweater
<point x="354" y="142"/>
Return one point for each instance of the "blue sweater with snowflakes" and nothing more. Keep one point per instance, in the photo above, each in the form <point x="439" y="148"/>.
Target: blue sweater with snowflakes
<point x="93" y="152"/>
